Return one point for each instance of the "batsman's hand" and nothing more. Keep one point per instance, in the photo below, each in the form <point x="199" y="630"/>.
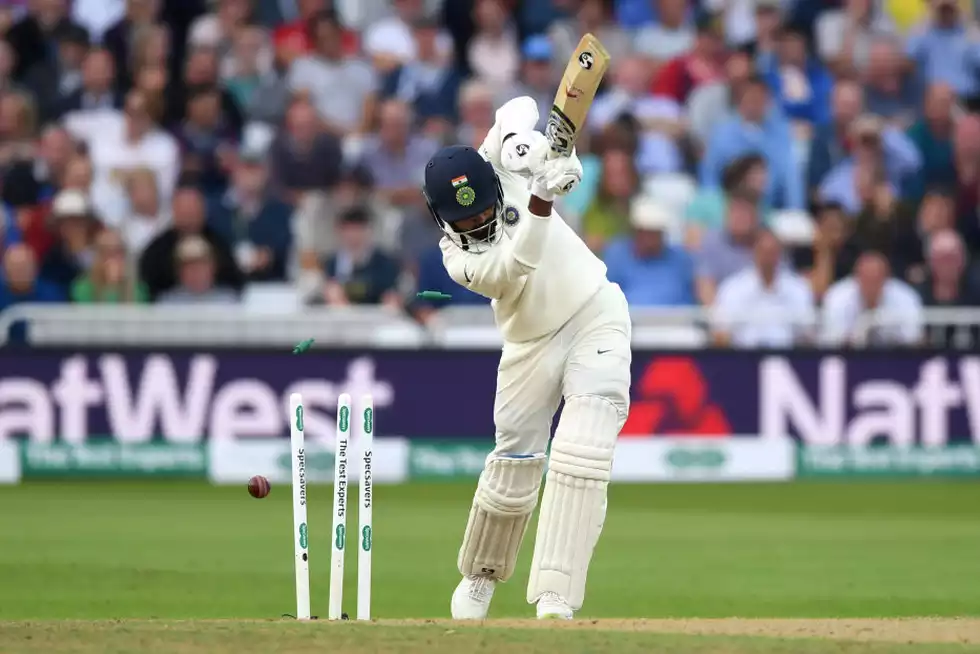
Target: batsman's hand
<point x="555" y="177"/>
<point x="524" y="152"/>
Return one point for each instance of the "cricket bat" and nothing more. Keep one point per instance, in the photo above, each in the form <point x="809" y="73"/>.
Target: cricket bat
<point x="579" y="84"/>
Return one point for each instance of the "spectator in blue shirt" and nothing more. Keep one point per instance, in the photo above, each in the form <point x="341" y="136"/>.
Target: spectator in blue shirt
<point x="650" y="271"/>
<point x="892" y="91"/>
<point x="428" y="83"/>
<point x="756" y="126"/>
<point x="946" y="49"/>
<point x="255" y="224"/>
<point x="432" y="276"/>
<point x="831" y="140"/>
<point x="20" y="282"/>
<point x="635" y="13"/>
<point x="9" y="233"/>
<point x="746" y="175"/>
<point x="875" y="146"/>
<point x="800" y="82"/>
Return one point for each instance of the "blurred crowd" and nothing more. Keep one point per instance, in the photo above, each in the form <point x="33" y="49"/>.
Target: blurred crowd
<point x="804" y="161"/>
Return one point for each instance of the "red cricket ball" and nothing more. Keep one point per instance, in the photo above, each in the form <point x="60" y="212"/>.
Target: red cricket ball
<point x="259" y="486"/>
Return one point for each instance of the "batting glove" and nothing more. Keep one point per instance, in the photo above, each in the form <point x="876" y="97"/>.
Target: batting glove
<point x="556" y="177"/>
<point x="524" y="152"/>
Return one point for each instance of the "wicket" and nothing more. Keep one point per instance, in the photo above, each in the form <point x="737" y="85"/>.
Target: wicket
<point x="338" y="539"/>
<point x="301" y="543"/>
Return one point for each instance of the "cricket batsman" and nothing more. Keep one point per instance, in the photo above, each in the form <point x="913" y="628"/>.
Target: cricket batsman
<point x="566" y="331"/>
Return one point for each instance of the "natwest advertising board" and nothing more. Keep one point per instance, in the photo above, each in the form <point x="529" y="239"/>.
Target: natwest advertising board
<point x="139" y="396"/>
<point x="816" y="398"/>
<point x="181" y="396"/>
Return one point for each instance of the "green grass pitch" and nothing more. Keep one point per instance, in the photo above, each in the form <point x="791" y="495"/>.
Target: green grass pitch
<point x="151" y="555"/>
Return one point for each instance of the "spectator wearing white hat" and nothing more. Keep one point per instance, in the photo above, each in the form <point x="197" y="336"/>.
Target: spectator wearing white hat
<point x="390" y="43"/>
<point x="188" y="215"/>
<point x="196" y="276"/>
<point x="650" y="271"/>
<point x="75" y="227"/>
<point x="766" y="305"/>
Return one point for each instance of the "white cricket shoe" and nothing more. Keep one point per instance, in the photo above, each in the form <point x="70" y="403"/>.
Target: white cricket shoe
<point x="551" y="606"/>
<point x="471" y="599"/>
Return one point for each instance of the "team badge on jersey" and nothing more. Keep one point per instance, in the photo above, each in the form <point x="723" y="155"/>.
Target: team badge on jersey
<point x="511" y="216"/>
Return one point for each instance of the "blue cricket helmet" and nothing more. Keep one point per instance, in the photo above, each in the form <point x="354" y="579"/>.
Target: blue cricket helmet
<point x="459" y="185"/>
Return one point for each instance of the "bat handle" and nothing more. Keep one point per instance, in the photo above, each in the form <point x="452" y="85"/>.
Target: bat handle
<point x="555" y="154"/>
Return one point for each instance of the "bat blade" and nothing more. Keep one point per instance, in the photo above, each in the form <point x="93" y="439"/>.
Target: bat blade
<point x="577" y="90"/>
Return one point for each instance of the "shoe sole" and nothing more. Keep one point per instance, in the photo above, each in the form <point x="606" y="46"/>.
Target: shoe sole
<point x="553" y="616"/>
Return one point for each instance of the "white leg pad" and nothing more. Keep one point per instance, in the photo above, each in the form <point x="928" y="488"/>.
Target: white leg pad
<point x="573" y="508"/>
<point x="502" y="506"/>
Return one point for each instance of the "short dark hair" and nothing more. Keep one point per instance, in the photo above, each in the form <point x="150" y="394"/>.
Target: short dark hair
<point x="100" y="50"/>
<point x="735" y="173"/>
<point x="325" y="16"/>
<point x="355" y="215"/>
<point x="708" y="22"/>
<point x="756" y="80"/>
<point x="19" y="186"/>
<point x="749" y="50"/>
<point x="73" y="34"/>
<point x="188" y="181"/>
<point x="743" y="195"/>
<point x="794" y="29"/>
<point x="198" y="91"/>
<point x="827" y="207"/>
<point x="941" y="190"/>
<point x="875" y="255"/>
<point x="359" y="175"/>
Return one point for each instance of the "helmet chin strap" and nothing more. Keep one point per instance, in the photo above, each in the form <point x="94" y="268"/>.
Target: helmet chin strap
<point x="484" y="233"/>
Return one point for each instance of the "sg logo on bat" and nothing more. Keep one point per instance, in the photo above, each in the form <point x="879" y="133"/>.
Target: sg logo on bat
<point x="586" y="60"/>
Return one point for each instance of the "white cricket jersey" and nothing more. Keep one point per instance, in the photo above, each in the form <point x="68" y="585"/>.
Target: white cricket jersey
<point x="539" y="274"/>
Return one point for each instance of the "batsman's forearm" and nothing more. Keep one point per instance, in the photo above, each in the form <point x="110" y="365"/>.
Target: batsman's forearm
<point x="539" y="207"/>
<point x="531" y="236"/>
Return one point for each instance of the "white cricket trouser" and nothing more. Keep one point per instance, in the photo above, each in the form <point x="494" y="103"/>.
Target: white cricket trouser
<point x="589" y="355"/>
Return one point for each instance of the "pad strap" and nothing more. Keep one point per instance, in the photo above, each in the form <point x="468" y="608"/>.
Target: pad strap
<point x="502" y="506"/>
